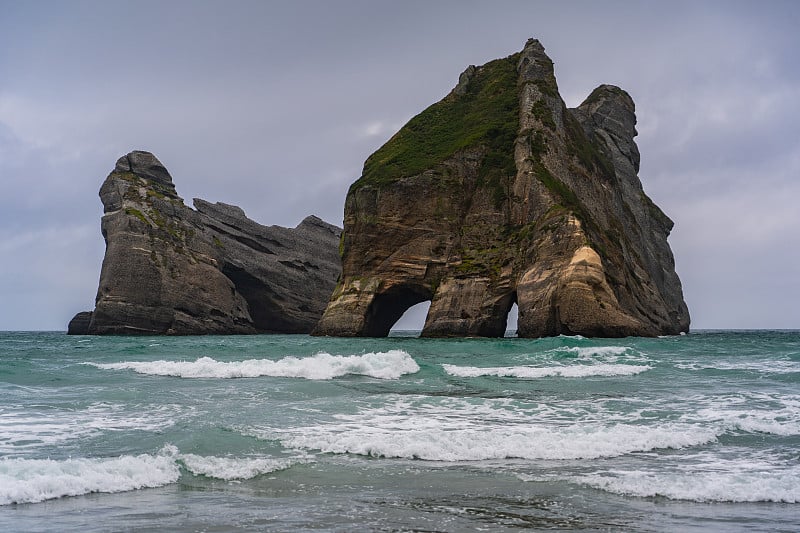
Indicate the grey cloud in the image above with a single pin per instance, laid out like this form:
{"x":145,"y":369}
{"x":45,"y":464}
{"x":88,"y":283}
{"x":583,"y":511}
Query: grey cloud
{"x":275,"y":106}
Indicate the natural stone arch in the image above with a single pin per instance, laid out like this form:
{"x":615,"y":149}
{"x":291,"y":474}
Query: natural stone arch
{"x":388,"y":306}
{"x":499,"y":192}
{"x":469,"y":307}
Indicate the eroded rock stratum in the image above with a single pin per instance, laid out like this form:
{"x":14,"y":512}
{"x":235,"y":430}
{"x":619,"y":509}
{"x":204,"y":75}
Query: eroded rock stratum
{"x":170,"y":269}
{"x":500,"y":194}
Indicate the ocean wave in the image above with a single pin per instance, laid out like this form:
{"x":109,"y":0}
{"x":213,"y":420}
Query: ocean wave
{"x":761,"y":422}
{"x":776,"y":414}
{"x":37,"y":480}
{"x":595,"y":351}
{"x":232,"y":468}
{"x":322,"y":366}
{"x":761,"y":486}
{"x":26,"y":429}
{"x":475,"y":444}
{"x":439,"y":429}
{"x":760,"y":367}
{"x":531,"y":372}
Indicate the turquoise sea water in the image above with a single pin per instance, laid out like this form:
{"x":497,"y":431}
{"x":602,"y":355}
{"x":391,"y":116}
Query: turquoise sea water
{"x":293,"y":433}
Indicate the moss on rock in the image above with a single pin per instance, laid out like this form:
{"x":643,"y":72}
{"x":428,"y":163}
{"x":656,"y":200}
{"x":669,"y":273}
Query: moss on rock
{"x":486,"y":115}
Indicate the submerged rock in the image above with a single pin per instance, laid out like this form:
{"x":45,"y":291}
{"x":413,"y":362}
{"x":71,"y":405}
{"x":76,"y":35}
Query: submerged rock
{"x":500,"y":194}
{"x":171,"y":269}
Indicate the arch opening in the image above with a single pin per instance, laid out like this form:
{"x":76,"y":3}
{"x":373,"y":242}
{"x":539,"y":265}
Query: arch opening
{"x":387,"y":308}
{"x":508,"y":314}
{"x":511,"y":321}
{"x":413,"y":319}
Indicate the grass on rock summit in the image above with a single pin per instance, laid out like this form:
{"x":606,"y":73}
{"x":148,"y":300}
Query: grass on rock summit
{"x":487,"y":115}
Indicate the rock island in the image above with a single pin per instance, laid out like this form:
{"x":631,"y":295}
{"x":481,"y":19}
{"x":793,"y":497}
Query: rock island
{"x":499,"y":194}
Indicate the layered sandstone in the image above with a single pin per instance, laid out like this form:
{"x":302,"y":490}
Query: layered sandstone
{"x":171,"y":269}
{"x":500,"y":194}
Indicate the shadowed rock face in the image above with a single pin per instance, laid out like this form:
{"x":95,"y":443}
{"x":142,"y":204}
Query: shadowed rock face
{"x":500,"y":194}
{"x":170,"y":269}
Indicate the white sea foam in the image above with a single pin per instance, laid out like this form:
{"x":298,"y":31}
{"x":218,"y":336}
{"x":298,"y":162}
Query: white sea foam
{"x":28,"y":428}
{"x":458,"y":430}
{"x":382,"y":365}
{"x":230,"y":468}
{"x":761,"y":367}
{"x":473,"y":444}
{"x":36,"y":480}
{"x":531,"y":372}
{"x":747,"y":486}
{"x":596,"y":351}
{"x":752,"y":421}
{"x":776,"y":414}
{"x":726,"y":474}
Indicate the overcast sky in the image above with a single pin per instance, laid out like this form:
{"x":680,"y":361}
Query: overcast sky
{"x":274,"y":106}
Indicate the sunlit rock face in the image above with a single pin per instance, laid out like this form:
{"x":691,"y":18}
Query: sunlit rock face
{"x":500,"y":194}
{"x":171,"y":269}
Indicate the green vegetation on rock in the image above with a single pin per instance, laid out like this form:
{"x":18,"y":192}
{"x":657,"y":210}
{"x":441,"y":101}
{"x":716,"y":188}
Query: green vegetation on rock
{"x":542,"y":112}
{"x":138,"y":214}
{"x":486,"y":116}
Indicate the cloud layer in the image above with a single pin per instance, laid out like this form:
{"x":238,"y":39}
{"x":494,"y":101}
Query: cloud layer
{"x":275,"y":106}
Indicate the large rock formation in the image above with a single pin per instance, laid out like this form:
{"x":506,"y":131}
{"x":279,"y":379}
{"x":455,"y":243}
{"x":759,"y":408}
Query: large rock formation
{"x":500,"y":194}
{"x":171,"y":269}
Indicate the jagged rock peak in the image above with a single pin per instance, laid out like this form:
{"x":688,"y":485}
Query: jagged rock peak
{"x":535,"y":65}
{"x":231,"y":214}
{"x":500,"y":194}
{"x":314,"y":222}
{"x":170,"y":269}
{"x":605,"y":92}
{"x":144,"y":164}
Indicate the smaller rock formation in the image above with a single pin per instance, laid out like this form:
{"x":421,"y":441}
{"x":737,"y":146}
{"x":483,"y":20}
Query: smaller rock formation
{"x":79,"y":325}
{"x":170,"y":269}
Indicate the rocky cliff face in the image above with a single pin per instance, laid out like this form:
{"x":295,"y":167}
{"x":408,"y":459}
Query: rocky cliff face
{"x":171,"y":269}
{"x":500,"y":194}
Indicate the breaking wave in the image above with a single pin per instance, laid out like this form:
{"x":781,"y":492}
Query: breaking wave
{"x":23,"y":431}
{"x":531,"y":372}
{"x":475,"y":444}
{"x":37,"y":480}
{"x":763,"y":486}
{"x":230,"y":468}
{"x":596,"y":351}
{"x":463,"y":430}
{"x":322,"y":366}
